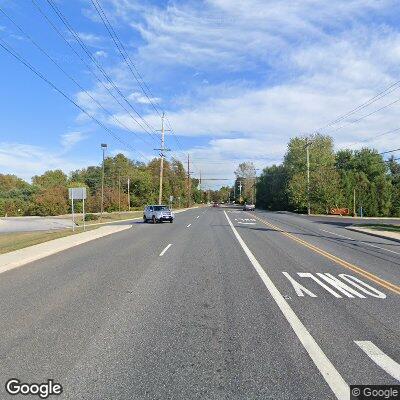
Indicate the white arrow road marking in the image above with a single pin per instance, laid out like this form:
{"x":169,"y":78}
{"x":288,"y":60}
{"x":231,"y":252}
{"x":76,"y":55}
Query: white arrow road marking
{"x":380,"y":358}
{"x":188,"y":225}
{"x":163,"y":252}
{"x":355,"y":240}
{"x":331,"y":375}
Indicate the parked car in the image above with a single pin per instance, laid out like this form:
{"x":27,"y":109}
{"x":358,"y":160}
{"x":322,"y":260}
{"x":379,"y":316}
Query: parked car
{"x":249,"y":207}
{"x":158,"y":213}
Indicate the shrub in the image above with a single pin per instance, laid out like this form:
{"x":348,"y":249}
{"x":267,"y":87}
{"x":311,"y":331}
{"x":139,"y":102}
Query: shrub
{"x":91,"y":217}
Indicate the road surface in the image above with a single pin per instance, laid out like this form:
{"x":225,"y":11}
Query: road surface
{"x":222,"y":304}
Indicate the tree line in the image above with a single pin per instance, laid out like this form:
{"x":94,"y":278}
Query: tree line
{"x":360,"y":180}
{"x":47,"y":194}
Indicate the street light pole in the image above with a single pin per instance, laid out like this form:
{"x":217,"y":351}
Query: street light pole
{"x":103,"y":147}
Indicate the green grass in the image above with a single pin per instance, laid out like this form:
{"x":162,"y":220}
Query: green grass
{"x":110,"y":217}
{"x":19,"y":240}
{"x":382,"y":227}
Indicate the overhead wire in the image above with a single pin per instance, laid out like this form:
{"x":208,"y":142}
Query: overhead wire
{"x":121,"y":48}
{"x":43,"y":51}
{"x":23,"y":61}
{"x":132,"y":67}
{"x":75,"y":35}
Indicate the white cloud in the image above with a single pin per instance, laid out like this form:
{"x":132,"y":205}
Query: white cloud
{"x":90,"y":39}
{"x":26,"y":160}
{"x":70,"y":139}
{"x":283,"y":69}
{"x":100,"y":53}
{"x":143,"y":99}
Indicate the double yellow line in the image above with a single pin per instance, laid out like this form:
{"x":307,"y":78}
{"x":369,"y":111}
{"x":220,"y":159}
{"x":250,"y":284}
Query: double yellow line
{"x":388,"y":285}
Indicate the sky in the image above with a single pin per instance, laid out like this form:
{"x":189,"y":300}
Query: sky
{"x":236,"y":79}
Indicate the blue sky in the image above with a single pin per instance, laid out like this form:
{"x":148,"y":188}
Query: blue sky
{"x":236,"y":79}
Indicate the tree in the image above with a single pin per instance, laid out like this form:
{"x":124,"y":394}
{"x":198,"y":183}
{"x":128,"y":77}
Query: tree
{"x":9,"y":182}
{"x":272,"y":188}
{"x":324,"y":179}
{"x":50,"y":179}
{"x":246,"y":178}
{"x":50,"y":201}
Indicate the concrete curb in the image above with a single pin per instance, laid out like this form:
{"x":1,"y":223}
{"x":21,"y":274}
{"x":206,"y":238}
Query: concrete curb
{"x":26,"y":255}
{"x":353,"y":218}
{"x":372,"y":233}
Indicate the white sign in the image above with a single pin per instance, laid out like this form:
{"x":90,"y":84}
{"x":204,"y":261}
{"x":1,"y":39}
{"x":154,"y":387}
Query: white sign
{"x":77,"y":193}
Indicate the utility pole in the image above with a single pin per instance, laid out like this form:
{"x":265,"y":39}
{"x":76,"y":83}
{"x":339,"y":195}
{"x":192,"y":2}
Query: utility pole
{"x":162,"y":149}
{"x":354,"y":202}
{"x":188,"y":181}
{"x":129,"y":196}
{"x":240,"y":191}
{"x":308,"y":177}
{"x":103,"y":147}
{"x":119,"y":193}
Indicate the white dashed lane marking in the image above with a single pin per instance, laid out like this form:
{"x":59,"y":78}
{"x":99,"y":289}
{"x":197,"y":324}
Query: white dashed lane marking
{"x":163,"y":252}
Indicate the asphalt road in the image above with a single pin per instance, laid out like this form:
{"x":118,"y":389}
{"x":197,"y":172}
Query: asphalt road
{"x":237,"y":307}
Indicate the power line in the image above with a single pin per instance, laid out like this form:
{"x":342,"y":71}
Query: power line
{"x":367,"y":115}
{"x":69,"y":76}
{"x":64,"y":20}
{"x":370,"y":101}
{"x":376,"y":136}
{"x":121,"y":48}
{"x":18,"y":57}
{"x":389,"y":151}
{"x":90,"y":68}
{"x":132,"y":67}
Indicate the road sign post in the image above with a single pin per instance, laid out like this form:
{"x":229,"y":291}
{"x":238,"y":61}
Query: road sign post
{"x":77,"y":194}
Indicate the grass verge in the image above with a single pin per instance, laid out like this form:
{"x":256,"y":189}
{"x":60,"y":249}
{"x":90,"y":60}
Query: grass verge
{"x":19,"y":240}
{"x":382,"y":227}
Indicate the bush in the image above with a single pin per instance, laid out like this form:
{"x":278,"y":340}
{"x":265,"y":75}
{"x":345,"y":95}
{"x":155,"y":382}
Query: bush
{"x":91,"y":217}
{"x":50,"y":202}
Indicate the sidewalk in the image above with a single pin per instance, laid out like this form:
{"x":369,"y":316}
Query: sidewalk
{"x":395,"y":236}
{"x":23,"y":256}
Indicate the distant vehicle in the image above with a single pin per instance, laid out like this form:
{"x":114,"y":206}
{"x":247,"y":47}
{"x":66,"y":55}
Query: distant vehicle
{"x":158,"y":213}
{"x":249,"y":207}
{"x":215,"y":204}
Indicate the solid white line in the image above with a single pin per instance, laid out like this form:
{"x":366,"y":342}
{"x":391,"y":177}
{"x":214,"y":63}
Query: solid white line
{"x":198,"y":217}
{"x":188,"y":225}
{"x":163,"y":252}
{"x":328,"y":371}
{"x":380,"y":358}
{"x":355,"y":240}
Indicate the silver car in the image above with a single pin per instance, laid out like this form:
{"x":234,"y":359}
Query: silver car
{"x":158,"y":213}
{"x":249,"y":207}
